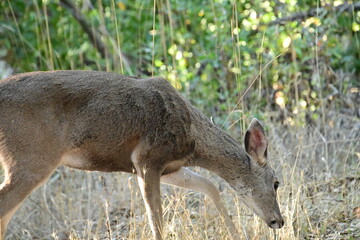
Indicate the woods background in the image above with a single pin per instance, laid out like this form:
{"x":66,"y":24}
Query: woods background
{"x":294,"y":64}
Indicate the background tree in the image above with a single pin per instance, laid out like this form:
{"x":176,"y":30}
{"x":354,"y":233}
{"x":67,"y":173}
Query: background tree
{"x":295,"y":64}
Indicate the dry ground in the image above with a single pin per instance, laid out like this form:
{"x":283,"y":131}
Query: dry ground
{"x":319,"y":169}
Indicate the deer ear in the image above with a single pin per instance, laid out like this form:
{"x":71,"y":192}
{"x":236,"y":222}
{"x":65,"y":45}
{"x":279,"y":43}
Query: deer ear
{"x":256,"y":142}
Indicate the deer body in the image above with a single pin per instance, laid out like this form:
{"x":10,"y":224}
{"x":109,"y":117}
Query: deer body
{"x":107,"y":122}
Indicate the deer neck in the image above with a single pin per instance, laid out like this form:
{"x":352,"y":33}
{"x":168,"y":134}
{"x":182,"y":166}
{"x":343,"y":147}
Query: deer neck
{"x":217,"y":151}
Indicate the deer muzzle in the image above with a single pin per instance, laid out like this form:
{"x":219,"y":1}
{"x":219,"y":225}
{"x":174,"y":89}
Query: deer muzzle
{"x":276,"y":223}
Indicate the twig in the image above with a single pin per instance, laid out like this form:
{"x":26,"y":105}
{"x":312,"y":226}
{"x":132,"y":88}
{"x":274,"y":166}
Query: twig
{"x":313,"y":11}
{"x":330,"y":141}
{"x":248,"y":88}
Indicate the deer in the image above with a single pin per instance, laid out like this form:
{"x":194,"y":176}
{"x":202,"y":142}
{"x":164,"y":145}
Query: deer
{"x":102,"y":121}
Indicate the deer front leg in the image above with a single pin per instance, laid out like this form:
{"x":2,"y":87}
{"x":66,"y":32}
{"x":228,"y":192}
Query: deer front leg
{"x":149,"y":182}
{"x":190,"y":180}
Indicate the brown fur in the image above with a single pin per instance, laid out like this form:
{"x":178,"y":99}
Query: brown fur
{"x":109,"y":122}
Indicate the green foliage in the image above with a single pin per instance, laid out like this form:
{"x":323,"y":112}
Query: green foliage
{"x":233,"y":62}
{"x":211,"y":50}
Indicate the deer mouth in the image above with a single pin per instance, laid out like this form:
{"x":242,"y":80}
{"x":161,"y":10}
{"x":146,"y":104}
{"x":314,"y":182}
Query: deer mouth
{"x":276,"y":224}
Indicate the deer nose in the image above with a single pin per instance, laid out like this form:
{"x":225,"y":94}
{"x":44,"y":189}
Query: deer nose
{"x":274,"y":224}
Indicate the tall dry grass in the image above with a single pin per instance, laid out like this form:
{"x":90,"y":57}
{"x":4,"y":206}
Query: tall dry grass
{"x":319,"y":192}
{"x":318,"y":195}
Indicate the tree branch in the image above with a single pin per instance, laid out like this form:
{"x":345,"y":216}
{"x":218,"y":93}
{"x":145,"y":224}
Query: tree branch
{"x":93,"y":35}
{"x":313,"y":12}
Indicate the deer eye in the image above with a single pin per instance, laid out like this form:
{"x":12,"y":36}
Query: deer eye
{"x":276,"y":185}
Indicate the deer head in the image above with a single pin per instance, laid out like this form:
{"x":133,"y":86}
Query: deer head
{"x":258,"y":185}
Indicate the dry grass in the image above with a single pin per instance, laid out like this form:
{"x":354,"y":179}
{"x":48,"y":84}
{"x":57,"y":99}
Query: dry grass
{"x":318,"y":166}
{"x":318,"y":196}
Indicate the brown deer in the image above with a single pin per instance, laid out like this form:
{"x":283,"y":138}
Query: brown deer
{"x":101,"y":121}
